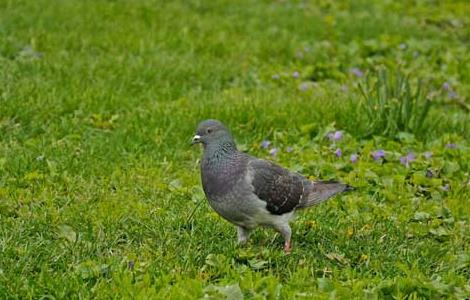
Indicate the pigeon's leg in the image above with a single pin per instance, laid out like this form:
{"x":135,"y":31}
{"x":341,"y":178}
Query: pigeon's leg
{"x":243,"y":234}
{"x":286,"y":233}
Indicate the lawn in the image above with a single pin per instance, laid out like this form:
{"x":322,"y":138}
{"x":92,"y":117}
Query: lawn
{"x":100,"y":194}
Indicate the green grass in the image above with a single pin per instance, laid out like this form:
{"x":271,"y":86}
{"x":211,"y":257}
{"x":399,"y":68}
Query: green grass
{"x":100,"y":194}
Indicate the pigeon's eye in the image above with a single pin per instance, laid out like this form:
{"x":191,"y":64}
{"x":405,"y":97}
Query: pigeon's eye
{"x":209,"y":130}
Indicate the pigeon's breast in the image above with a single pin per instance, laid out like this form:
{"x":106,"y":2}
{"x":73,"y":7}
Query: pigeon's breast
{"x":238,"y":205}
{"x":219,"y":176}
{"x":216,"y":185}
{"x":227,"y":191}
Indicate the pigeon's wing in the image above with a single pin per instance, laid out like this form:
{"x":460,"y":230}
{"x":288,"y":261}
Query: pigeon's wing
{"x":282,"y":190}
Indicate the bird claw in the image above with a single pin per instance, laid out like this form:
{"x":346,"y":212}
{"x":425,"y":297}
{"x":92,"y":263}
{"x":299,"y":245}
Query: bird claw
{"x":242,"y":243}
{"x":287,"y":248}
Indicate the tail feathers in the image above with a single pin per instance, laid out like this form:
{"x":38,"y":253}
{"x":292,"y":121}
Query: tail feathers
{"x":321,"y":191}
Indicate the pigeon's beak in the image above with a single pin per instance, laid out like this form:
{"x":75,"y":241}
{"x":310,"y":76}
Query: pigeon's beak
{"x":196,"y":139}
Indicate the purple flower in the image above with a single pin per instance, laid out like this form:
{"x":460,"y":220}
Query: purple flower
{"x":276,"y":77}
{"x":452,"y":95}
{"x":446,"y":187}
{"x":402,"y":46}
{"x":305,"y":86}
{"x":378,"y":154}
{"x":338,"y":152}
{"x":265,"y":144}
{"x":427,"y":154}
{"x":354,"y":157}
{"x":338,"y":135}
{"x":273,"y":151}
{"x":357,"y":72}
{"x":405,"y":160}
{"x":335,"y":136}
{"x":451,"y":146}
{"x":289,"y":149}
{"x":295,"y":74}
{"x":429,"y":173}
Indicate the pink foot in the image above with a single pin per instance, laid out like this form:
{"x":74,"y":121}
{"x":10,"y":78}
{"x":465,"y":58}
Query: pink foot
{"x":287,"y":248}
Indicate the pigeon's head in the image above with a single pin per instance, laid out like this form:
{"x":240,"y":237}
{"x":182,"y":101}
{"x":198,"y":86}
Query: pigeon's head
{"x":211,"y":132}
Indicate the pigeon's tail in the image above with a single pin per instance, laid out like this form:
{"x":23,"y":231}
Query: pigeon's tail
{"x":323,"y":190}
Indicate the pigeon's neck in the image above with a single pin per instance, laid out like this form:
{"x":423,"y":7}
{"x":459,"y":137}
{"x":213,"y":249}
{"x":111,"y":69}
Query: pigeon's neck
{"x":221,"y":165}
{"x":220,"y":151}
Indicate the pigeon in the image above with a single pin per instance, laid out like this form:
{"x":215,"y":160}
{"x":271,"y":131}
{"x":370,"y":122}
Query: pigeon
{"x":251,"y":192}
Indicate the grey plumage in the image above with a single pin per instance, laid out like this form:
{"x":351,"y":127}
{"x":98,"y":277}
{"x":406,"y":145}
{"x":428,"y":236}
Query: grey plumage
{"x":250,"y":192}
